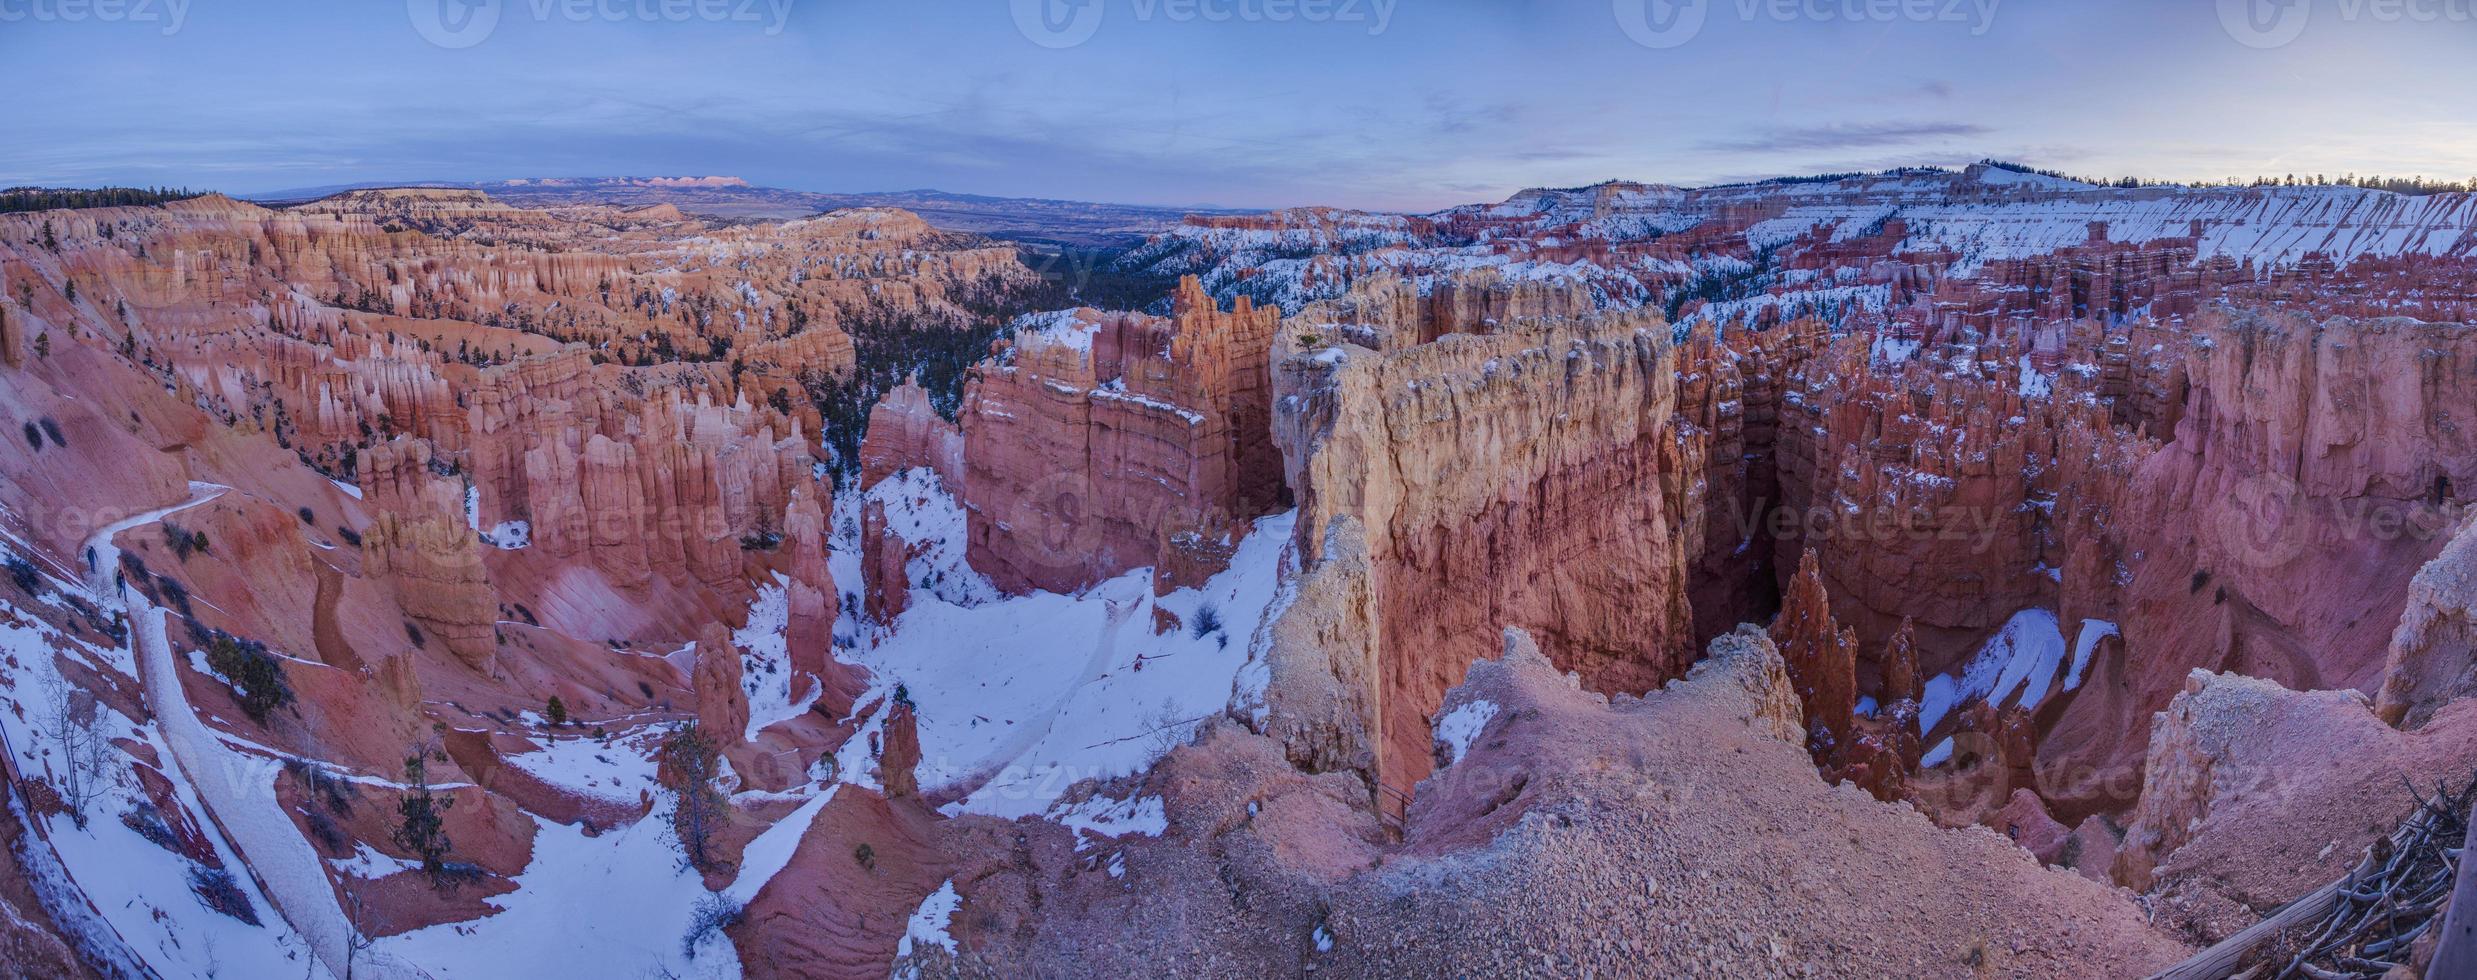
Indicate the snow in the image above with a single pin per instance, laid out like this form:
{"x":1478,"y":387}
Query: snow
{"x":1940,"y":754}
{"x":1461,"y":726}
{"x":237,"y":788}
{"x":2020,"y":659}
{"x":615,"y":905}
{"x":765,"y":663}
{"x":2034,"y":384}
{"x":2085,"y":643}
{"x":1020,"y":697}
{"x":473,"y":507}
{"x":929,"y":921}
{"x":1102,"y":817}
{"x":766,"y":856}
{"x":1057,"y":328}
{"x":349,"y":489}
{"x":1936,"y":697}
{"x":1889,"y":349}
{"x":510,"y":535}
{"x":1983,"y":214}
{"x":617,"y":770}
{"x":2030,"y":648}
{"x":139,"y":892}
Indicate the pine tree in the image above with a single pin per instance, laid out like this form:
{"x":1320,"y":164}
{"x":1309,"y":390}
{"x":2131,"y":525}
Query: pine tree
{"x":423,"y":829}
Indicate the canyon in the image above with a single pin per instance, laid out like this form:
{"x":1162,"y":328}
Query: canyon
{"x":1936,"y":572}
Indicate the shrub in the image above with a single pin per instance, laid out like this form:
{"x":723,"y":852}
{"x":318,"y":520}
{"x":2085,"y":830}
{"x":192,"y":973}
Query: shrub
{"x":216,"y":888}
{"x":34,"y":436}
{"x":349,"y":535}
{"x":1207,"y":622}
{"x":52,"y":429}
{"x":318,"y":785}
{"x":713,"y":914}
{"x":184,"y":541}
{"x":257,"y":678}
{"x":323,"y":827}
{"x":175,"y":595}
{"x":22,"y":572}
{"x":413,"y":633}
{"x":148,"y":823}
{"x":865,"y":856}
{"x":308,"y":516}
{"x":556,"y":711}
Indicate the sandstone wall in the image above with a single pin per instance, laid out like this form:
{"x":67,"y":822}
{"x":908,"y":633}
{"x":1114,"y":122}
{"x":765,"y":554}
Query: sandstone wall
{"x":1097,"y":440}
{"x":1527,"y":478}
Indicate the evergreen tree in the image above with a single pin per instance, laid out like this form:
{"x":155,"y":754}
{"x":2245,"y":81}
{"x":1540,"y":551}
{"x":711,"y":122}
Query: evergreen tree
{"x":423,"y":827}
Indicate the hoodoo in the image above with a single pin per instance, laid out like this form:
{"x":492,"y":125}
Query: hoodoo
{"x":1955,"y":570}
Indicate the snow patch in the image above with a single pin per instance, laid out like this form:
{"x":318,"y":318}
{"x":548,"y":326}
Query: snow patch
{"x":1102,"y":817}
{"x":929,"y":921}
{"x":1461,"y":726}
{"x":2085,"y":643}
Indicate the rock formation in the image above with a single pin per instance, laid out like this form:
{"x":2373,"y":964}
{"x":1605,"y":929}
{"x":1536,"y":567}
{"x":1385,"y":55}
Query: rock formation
{"x":2307,"y":453}
{"x":2234,"y":761}
{"x":1095,"y":440}
{"x":905,"y":431}
{"x":884,"y":557}
{"x":722,"y":704}
{"x":1491,"y":480}
{"x":2433,"y":656}
{"x":1821,"y":658}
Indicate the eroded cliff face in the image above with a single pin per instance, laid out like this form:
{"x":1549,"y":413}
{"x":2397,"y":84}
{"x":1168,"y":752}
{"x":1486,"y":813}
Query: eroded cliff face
{"x":1100,"y":442}
{"x":440,"y":463}
{"x":2308,"y":453}
{"x":2434,"y":649}
{"x":1529,"y":477}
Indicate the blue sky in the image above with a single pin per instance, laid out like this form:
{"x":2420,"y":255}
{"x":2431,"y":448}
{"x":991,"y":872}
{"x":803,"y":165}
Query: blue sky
{"x":1370,"y":103}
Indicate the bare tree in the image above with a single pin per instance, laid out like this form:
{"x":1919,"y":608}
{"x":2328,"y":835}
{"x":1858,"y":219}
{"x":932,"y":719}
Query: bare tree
{"x":84,"y":770}
{"x":356,"y":938}
{"x":1164,"y":731}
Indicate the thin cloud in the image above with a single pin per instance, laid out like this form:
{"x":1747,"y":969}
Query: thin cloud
{"x":1843,"y":137}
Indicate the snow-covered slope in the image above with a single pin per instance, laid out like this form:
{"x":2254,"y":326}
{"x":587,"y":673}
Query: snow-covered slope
{"x":1017,"y":698}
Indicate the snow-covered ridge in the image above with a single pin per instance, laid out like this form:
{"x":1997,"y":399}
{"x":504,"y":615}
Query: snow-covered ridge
{"x":1594,"y":235}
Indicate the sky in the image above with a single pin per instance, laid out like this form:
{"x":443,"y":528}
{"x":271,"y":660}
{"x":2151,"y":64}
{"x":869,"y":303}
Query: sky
{"x":1392,"y":104}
